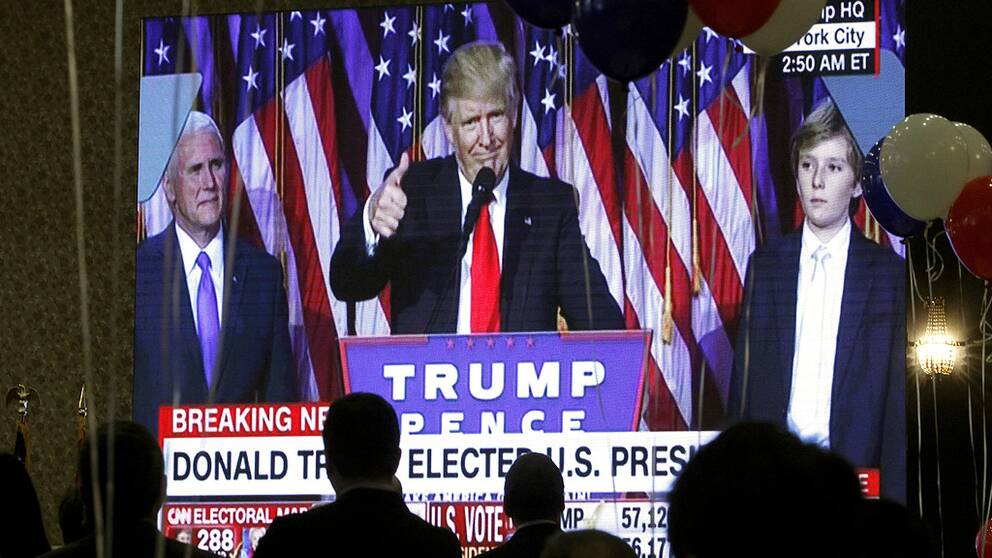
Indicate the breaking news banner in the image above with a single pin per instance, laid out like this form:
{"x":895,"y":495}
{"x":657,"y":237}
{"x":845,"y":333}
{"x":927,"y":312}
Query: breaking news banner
{"x":845,"y":41}
{"x":277,"y":451}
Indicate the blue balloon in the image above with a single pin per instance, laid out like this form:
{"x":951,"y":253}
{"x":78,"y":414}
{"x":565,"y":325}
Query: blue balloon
{"x":877,"y":197}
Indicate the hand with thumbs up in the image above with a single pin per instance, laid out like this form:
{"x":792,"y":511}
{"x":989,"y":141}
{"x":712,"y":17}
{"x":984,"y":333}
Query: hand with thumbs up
{"x":388,"y":203}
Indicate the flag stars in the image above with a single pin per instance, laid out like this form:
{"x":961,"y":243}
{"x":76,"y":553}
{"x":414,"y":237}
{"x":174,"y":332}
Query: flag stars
{"x":251,"y":78}
{"x":387,"y":25}
{"x":414,"y":34}
{"x":704,"y":74}
{"x":434,"y":86}
{"x":551,"y":58}
{"x":685,"y":62}
{"x":449,"y":7}
{"x":537,"y":53}
{"x":405,"y":120}
{"x":442,"y":42}
{"x":293,"y":16}
{"x":287,"y":49}
{"x":383,"y":68}
{"x":318,"y":25}
{"x":467,"y":14}
{"x":259,"y":36}
{"x":682,"y":107}
{"x":163,"y":52}
{"x":410,"y":76}
{"x":899,"y":37}
{"x":548,"y":101}
{"x":710,"y":34}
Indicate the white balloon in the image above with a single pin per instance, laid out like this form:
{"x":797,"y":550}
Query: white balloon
{"x":979,"y":151}
{"x":924,"y":163}
{"x":790,"y":21}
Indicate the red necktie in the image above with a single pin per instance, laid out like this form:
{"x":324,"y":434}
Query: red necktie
{"x":485,"y":276}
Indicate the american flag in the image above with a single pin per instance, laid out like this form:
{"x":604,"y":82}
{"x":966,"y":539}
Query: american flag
{"x":677,"y":181}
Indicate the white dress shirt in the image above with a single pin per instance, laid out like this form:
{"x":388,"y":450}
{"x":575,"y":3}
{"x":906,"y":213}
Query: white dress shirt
{"x":819,"y":292}
{"x":190,"y":251}
{"x":497,"y":216}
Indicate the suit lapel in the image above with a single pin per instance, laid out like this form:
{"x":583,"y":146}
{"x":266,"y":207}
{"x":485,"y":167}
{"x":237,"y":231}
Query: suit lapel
{"x":857,"y":290}
{"x":233,"y":287}
{"x":516,"y":229}
{"x":443,"y":211}
{"x":786,"y":282}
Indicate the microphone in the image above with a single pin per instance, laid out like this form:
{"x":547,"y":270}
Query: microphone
{"x":482,"y":190}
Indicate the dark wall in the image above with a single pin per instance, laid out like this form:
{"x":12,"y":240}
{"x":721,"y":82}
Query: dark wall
{"x":948,"y":69}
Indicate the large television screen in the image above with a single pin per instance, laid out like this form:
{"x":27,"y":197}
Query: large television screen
{"x":655,"y":260}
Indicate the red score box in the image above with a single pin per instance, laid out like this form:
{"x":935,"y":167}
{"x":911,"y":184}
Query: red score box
{"x":478,"y":525}
{"x":870,"y":481}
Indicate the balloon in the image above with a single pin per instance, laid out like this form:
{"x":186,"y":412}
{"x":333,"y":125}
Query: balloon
{"x":693,"y":26}
{"x":628,"y":39}
{"x":924,"y":165}
{"x":969,"y":226}
{"x":979,"y":151}
{"x":788,"y":24}
{"x":877,"y":197}
{"x":549,"y":14}
{"x":983,"y":541}
{"x":736,"y":18}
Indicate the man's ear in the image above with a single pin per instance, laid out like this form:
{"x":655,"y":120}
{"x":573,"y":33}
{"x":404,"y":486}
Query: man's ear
{"x":858,"y":191}
{"x":167,"y":187}
{"x":448,"y":130}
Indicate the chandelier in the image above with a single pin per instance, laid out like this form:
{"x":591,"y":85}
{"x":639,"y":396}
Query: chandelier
{"x":936,"y":351}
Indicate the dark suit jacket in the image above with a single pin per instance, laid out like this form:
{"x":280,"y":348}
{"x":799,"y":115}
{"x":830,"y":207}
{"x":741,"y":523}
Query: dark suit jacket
{"x":362,"y":522}
{"x":867,"y":413}
{"x":546,"y":263}
{"x":528,"y":542}
{"x":255,"y":356}
{"x":139,"y":539}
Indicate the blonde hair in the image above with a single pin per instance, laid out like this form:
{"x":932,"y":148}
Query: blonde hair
{"x":480,"y":70}
{"x":824,"y":123}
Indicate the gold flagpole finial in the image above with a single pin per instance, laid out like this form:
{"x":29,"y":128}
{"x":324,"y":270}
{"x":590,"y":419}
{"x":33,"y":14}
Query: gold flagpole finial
{"x":23,"y":396}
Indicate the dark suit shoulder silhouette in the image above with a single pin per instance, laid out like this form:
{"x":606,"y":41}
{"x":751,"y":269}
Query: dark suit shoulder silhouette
{"x":362,"y":522}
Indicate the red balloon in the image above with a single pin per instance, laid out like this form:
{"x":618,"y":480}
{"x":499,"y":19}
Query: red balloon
{"x":969,"y":226}
{"x":737,"y":18}
{"x":984,"y":539}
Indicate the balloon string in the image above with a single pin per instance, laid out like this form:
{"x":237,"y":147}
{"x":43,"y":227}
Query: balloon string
{"x":985,"y":453}
{"x":971,"y":416}
{"x":936,"y":438}
{"x":916,"y":376}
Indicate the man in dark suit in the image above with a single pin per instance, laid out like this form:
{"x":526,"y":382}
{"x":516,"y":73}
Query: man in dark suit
{"x":128,"y":459}
{"x":821,"y":347}
{"x":534,"y":498}
{"x":368,"y":516}
{"x":525,"y":257}
{"x":208,"y":328}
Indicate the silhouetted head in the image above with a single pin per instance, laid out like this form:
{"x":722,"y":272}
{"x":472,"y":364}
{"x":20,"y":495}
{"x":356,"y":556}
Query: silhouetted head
{"x":125,"y":455}
{"x":361,"y":440}
{"x":534,"y":489}
{"x":588,"y":543}
{"x":21,"y":530}
{"x":758,"y":486}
